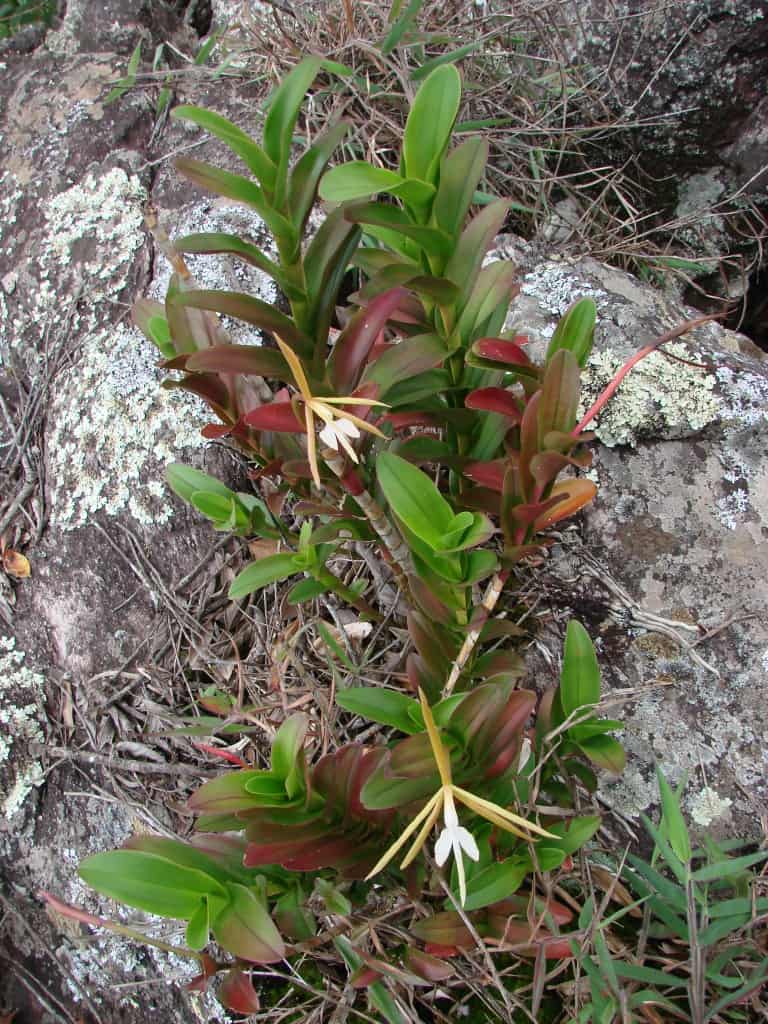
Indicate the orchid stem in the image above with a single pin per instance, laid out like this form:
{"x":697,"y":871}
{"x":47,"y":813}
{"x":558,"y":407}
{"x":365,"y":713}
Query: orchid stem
{"x":492,"y":595}
{"x":401,"y":561}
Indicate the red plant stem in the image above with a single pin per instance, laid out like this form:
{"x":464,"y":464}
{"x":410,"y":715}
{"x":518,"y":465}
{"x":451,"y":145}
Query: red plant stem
{"x":226,"y":755}
{"x":610,"y":390}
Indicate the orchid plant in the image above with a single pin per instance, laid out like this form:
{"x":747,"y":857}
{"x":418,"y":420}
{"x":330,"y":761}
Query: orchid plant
{"x":411,"y":420}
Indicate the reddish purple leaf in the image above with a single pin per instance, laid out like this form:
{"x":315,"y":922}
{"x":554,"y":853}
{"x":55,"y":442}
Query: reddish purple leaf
{"x":353,"y":347}
{"x":214,"y":431}
{"x":575,"y":494}
{"x":495,"y":400}
{"x":404,"y":420}
{"x":364,"y":976}
{"x":238,"y":994}
{"x":256,"y":360}
{"x":445,"y":929}
{"x":426,"y":966}
{"x":487,"y":474}
{"x":501,"y":351}
{"x":207,"y":387}
{"x":245,"y":929}
{"x":275,"y":416}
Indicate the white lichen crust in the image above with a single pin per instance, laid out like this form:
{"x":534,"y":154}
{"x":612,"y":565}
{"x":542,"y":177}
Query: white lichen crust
{"x":110,"y":456}
{"x":21,"y":695}
{"x":707,"y":806}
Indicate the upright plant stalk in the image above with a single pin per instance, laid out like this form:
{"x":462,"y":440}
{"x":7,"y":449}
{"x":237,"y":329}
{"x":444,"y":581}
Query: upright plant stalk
{"x":401,"y":561}
{"x":489,"y":602}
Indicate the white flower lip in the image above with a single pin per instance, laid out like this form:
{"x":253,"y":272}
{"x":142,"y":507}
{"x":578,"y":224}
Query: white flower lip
{"x":454,"y":837}
{"x":338,"y":431}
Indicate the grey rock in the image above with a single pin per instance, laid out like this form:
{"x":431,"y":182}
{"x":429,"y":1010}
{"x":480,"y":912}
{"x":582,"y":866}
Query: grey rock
{"x":670,"y":568}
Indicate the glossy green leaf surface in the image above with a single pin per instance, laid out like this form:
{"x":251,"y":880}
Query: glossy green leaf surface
{"x":580,"y":676}
{"x":259,"y":574}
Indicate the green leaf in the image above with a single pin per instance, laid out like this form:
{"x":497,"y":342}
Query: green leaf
{"x":678,"y":868}
{"x":467,"y":530}
{"x":727,"y":868}
{"x":593,"y":727}
{"x":224,"y":183}
{"x":560,"y":389}
{"x":378,"y":994}
{"x":246,"y":307}
{"x":359,"y":180}
{"x":378,"y":705}
{"x":406,"y":360}
{"x":478,"y":565}
{"x":432,"y":240}
{"x":410,"y":392}
{"x":287,"y":750}
{"x":414,"y":498}
{"x":242,"y":190}
{"x":199,"y":927}
{"x":494,"y":883}
{"x":127,"y":81}
{"x":214,"y":242}
{"x":281,"y":119}
{"x":673,"y":821}
{"x":430,"y":122}
{"x":440,"y":290}
{"x":575,"y":332}
{"x":400,"y":26}
{"x":460,"y":174}
{"x":149,"y":882}
{"x":186,"y":481}
{"x":325,"y":264}
{"x":580,"y":675}
{"x":252,"y":155}
{"x":302,"y":188}
{"x":334,"y":647}
{"x":571,"y":835}
{"x":335,"y":901}
{"x":259,"y":574}
{"x":477,"y":237}
{"x":160,"y":334}
{"x":245,"y":929}
{"x":218,"y":509}
{"x":445,"y":58}
{"x":306,"y":590}
{"x":649,"y":975}
{"x":605,"y":752}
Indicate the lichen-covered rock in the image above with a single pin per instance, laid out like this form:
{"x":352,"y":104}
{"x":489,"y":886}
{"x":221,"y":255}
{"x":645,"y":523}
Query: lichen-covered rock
{"x":75,"y":175}
{"x":680,"y":526}
{"x":21,"y":706}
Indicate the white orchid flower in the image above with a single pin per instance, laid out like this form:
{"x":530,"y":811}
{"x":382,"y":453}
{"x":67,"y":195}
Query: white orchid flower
{"x":337,"y":432}
{"x":453,"y":836}
{"x":456,"y":838}
{"x":338,"y":429}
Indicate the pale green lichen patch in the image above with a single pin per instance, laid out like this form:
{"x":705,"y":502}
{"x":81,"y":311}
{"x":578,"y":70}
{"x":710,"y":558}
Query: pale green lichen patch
{"x":660,"y":396}
{"x":105,"y":211}
{"x":707,"y":806}
{"x":555,"y":288}
{"x":21,"y":695}
{"x":108,"y":446}
{"x":111,"y":429}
